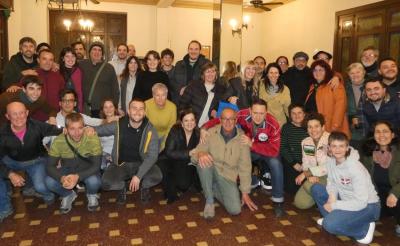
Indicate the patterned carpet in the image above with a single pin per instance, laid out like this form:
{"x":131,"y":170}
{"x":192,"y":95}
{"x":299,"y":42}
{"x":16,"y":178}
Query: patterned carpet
{"x":157,"y":223}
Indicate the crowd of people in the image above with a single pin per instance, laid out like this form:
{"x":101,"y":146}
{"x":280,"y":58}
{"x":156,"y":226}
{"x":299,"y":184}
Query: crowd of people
{"x":129,"y":124}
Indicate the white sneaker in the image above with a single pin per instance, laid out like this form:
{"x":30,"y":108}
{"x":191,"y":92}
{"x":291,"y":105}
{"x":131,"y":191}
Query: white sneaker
{"x":319,"y":221}
{"x":370,"y":234}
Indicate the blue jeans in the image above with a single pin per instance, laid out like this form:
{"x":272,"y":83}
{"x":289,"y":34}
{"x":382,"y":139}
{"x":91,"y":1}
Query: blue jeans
{"x":92,"y":184}
{"x":353,"y":224}
{"x":274,"y":164}
{"x":5,"y":201}
{"x":36,"y":171}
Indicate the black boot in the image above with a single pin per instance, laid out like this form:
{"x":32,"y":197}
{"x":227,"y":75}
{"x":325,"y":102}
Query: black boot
{"x":121,"y":198}
{"x":278,"y":209}
{"x":145,"y":196}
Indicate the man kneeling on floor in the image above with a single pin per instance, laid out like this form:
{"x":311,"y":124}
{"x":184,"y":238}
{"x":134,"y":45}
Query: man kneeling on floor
{"x":73,"y":158}
{"x":220,"y":160}
{"x":134,"y":153}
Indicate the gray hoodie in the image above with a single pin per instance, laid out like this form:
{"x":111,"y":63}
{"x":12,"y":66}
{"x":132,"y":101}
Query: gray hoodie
{"x":351,"y":183}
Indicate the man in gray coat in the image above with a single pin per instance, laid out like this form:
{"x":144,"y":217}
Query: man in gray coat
{"x":134,"y":153}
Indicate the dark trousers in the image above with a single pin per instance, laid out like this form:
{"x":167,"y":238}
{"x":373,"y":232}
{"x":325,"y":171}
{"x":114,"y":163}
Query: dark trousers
{"x":178,"y":176}
{"x":115,"y":177}
{"x":290,"y":174}
{"x":383,"y":193}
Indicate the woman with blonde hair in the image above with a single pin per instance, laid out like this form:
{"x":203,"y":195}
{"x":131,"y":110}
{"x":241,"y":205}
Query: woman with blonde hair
{"x":243,"y":89}
{"x":354,"y":87}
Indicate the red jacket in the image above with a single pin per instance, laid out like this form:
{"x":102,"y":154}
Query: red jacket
{"x":267,"y":139}
{"x":53,"y":83}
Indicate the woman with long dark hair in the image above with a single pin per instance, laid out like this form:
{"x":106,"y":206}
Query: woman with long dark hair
{"x":151,"y":75}
{"x":72,"y":74}
{"x":272,"y":90}
{"x":381,"y":156}
{"x":322,"y":98}
{"x":182,"y":139}
{"x":128,"y":81}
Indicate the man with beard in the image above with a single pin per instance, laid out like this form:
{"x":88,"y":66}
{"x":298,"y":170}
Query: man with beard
{"x":187,"y":69}
{"x":99,"y":80}
{"x":134,"y":153}
{"x":389,"y":71}
{"x":120,"y":63}
{"x":21,"y":64}
{"x":79,"y":49}
{"x":379,"y":105}
{"x":298,"y":78}
{"x":369,"y":59}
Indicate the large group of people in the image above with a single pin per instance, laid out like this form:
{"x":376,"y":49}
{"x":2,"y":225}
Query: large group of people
{"x":130,"y":124}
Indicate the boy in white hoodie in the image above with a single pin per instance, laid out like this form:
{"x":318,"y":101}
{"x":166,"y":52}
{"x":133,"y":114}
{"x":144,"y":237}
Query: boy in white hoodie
{"x":349,"y":203}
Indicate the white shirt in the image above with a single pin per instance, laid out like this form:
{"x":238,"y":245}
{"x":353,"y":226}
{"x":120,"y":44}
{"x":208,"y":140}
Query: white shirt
{"x":204,"y":115}
{"x":119,"y":66}
{"x":129,"y":90}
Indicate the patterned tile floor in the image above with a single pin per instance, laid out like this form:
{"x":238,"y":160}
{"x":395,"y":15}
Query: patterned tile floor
{"x":157,"y":223}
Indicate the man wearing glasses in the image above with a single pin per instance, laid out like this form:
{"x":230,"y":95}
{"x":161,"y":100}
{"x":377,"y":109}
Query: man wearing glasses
{"x":221,"y":159}
{"x":369,"y":59}
{"x":263,"y":136}
{"x":67,"y":106}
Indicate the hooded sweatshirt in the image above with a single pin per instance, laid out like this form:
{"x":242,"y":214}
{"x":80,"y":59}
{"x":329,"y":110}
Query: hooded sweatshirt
{"x":350,"y":183}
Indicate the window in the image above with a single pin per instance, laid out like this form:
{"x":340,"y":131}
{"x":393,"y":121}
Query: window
{"x":375,"y":25}
{"x":109,"y":28}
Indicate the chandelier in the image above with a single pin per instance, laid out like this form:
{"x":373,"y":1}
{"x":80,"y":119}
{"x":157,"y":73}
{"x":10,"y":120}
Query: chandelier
{"x":75,"y":4}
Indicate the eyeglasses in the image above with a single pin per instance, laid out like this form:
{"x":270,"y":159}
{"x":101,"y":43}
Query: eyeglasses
{"x":228,"y":119}
{"x":67,"y":101}
{"x":281,"y":63}
{"x":369,"y":55}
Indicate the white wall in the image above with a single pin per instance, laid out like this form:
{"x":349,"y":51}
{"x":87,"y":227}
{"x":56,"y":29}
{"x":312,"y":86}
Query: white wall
{"x":148,"y":27}
{"x":176,"y":27}
{"x":307,"y":25}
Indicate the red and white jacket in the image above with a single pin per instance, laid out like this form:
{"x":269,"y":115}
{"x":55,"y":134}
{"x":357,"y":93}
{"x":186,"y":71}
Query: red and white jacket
{"x":267,"y":139}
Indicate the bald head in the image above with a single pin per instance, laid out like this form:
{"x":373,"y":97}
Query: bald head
{"x":17,"y":114}
{"x":228,"y":120}
{"x":15,"y":106}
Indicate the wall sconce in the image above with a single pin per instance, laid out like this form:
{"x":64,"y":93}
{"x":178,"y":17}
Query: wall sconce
{"x":234,"y":25}
{"x":67,"y":23}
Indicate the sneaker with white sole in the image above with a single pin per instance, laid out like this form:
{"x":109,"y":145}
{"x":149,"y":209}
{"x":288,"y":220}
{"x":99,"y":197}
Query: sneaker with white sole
{"x":370,"y":234}
{"x":66,"y":202}
{"x":93,"y":202}
{"x":255,"y":182}
{"x":397,"y":230}
{"x":320,"y":221}
{"x":266,"y":182}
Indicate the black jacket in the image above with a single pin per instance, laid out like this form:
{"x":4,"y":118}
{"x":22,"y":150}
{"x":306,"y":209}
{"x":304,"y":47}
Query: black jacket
{"x":12,"y":70}
{"x":176,"y":148}
{"x":195,"y":97}
{"x":236,"y":89}
{"x":31,"y":147}
{"x":181,"y":78}
{"x":298,"y":82}
{"x":145,"y":81}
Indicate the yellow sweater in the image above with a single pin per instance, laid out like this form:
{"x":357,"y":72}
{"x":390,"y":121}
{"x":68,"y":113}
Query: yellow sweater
{"x":277,"y":104}
{"x":161,"y":118}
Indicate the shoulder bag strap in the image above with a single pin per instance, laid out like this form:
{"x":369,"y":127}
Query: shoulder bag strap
{"x":75,"y":151}
{"x":95,"y":82}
